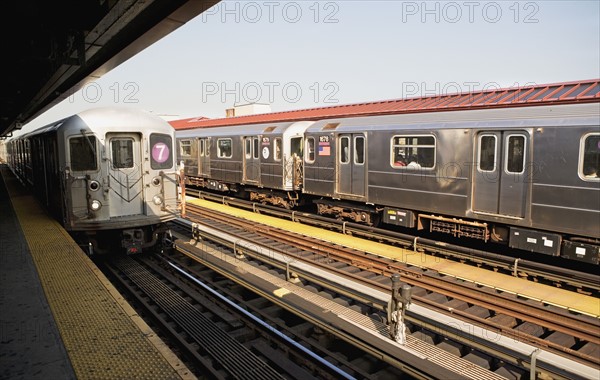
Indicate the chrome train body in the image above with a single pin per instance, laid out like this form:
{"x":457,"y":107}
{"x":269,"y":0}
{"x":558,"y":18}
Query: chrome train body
{"x":106,"y":174}
{"x":524,"y":176}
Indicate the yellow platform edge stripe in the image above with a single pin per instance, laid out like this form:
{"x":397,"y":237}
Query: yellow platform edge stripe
{"x":80,"y":345}
{"x":565,"y":299}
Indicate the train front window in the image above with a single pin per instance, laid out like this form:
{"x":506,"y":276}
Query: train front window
{"x":277,"y":149}
{"x":83,"y":153}
{"x":589,"y":161}
{"x":515,"y":154}
{"x":310,"y":150}
{"x":122,"y":153}
{"x":296,"y":146}
{"x":161,"y":151}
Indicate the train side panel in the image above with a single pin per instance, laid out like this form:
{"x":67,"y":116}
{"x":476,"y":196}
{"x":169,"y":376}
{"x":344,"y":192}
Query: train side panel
{"x":438,"y":182}
{"x":566,"y":186}
{"x":226,"y":159}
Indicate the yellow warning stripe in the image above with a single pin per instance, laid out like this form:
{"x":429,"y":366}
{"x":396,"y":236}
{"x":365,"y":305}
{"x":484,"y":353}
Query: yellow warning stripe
{"x":103,"y":336}
{"x":548,"y":294}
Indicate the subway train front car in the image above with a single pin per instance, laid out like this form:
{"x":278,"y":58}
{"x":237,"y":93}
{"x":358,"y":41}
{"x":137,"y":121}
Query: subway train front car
{"x":107,"y":174}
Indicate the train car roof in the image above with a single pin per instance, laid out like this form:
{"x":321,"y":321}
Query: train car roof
{"x":250,"y":130}
{"x":105,"y":118}
{"x":585,"y":91}
{"x":485,"y":118}
{"x":123,"y":117}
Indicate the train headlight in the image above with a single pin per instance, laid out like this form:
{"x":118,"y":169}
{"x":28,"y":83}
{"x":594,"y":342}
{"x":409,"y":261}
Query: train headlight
{"x":157,"y":199}
{"x":94,"y":185}
{"x":95,"y":205}
{"x":156,"y":181}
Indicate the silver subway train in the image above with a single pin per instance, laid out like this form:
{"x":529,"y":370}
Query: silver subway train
{"x":524,"y":176}
{"x":106,"y":174}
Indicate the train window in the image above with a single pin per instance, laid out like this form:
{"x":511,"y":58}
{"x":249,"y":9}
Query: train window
{"x":344,"y":150}
{"x":359,"y":150}
{"x":413,"y":152}
{"x":201,"y":147}
{"x":589,"y":157}
{"x":83,"y":153}
{"x":161,"y":155}
{"x":296,"y":146}
{"x":310,"y":149}
{"x":255,"y":141}
{"x":224,"y":148}
{"x":515,"y":154}
{"x":122,"y":153}
{"x":185,"y":148}
{"x":487,"y":153}
{"x":277,"y":149}
{"x":248,"y":147}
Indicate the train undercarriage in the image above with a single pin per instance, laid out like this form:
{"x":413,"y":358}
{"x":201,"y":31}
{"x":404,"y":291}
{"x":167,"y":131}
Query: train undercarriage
{"x":130,"y":241}
{"x":526,"y":239}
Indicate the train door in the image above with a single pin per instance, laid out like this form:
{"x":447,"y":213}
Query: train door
{"x":251,"y":159}
{"x":293,"y":169}
{"x":125,"y":174}
{"x":499,"y":185}
{"x":203,"y":156}
{"x":351,"y":166}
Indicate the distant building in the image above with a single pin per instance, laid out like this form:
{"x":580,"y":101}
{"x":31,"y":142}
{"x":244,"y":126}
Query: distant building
{"x":248,"y":109}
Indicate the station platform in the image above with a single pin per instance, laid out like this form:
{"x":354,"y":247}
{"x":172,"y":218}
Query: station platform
{"x":576,"y":302}
{"x":60,"y":317}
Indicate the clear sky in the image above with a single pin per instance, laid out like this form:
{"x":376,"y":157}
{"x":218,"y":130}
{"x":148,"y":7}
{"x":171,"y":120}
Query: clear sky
{"x":305,"y":54}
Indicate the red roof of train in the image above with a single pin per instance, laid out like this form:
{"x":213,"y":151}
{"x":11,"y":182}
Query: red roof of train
{"x":558,"y":93}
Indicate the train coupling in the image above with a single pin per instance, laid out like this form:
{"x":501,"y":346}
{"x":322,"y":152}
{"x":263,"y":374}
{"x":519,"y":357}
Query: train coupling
{"x":132,"y":240}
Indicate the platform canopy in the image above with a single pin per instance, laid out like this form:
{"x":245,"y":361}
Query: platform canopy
{"x":52,"y":48}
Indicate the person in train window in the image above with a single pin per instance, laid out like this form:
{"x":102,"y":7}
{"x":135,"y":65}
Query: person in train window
{"x":399,"y":159}
{"x":590,"y":172}
{"x":413,"y":163}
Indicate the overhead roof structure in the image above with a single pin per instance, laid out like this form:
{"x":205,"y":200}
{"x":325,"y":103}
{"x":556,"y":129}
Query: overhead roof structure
{"x":53,"y":48}
{"x":558,"y":93}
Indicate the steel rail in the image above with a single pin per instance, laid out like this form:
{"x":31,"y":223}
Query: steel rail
{"x":505,"y":349}
{"x":344,"y":334}
{"x":447,"y":286}
{"x":584,"y":282}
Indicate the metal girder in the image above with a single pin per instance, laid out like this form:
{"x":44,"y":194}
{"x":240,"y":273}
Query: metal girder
{"x":52,"y":49}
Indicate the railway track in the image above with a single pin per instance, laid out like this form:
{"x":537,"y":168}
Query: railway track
{"x":223,"y":331}
{"x":550,"y":328}
{"x":564,"y":278}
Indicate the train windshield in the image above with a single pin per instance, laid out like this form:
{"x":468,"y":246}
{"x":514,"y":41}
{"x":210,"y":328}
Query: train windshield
{"x":161,"y":152}
{"x":122,"y":153}
{"x":83,"y":153}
